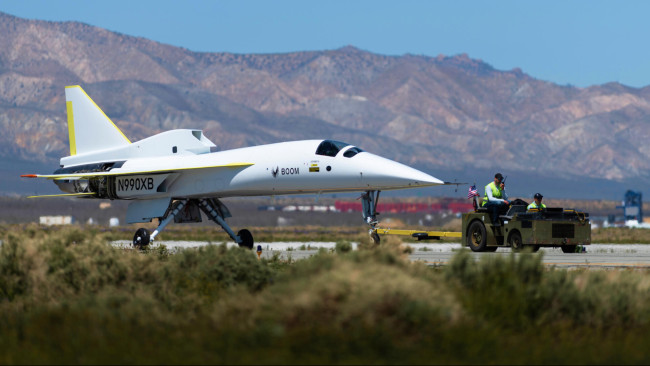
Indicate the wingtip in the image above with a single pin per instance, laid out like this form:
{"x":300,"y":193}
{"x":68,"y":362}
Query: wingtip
{"x":29,"y":176}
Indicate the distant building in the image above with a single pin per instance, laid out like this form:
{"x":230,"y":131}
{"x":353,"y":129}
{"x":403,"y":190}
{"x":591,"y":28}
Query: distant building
{"x":56,"y":220}
{"x":453,"y":206}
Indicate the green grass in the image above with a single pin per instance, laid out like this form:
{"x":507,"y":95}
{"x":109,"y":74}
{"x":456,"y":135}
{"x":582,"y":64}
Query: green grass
{"x":66,"y":296}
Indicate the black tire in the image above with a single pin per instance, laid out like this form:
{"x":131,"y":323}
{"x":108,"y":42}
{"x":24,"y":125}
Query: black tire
{"x":515,"y":241}
{"x":141,"y":238}
{"x":246,"y":239}
{"x":375,"y":237}
{"x":491,"y":249}
{"x":477,"y":236}
{"x":568,"y":248}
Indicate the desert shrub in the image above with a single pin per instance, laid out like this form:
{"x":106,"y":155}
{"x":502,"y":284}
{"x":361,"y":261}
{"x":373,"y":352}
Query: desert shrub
{"x":518,"y":292}
{"x":208,"y":269}
{"x":15,"y":267}
{"x":67,"y":296}
{"x":365,"y":304}
{"x":343,"y":246}
{"x":505,"y":290}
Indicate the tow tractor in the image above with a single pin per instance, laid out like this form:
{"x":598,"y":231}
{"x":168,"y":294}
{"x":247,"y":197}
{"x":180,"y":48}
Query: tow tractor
{"x":519,"y":228}
{"x":516,"y":227}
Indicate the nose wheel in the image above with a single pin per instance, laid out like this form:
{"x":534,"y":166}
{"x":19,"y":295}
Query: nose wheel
{"x":374,"y":236}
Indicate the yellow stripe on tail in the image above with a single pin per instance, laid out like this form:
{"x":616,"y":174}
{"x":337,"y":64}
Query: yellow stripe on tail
{"x":73,"y":144}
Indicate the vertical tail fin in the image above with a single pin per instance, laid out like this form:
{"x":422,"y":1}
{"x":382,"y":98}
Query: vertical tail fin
{"x":89,"y":128}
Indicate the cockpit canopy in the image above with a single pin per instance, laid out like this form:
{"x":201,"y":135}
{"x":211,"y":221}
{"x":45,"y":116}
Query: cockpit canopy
{"x":332,"y":148}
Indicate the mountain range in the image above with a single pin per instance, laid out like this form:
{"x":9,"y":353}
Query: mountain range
{"x":452,"y":116}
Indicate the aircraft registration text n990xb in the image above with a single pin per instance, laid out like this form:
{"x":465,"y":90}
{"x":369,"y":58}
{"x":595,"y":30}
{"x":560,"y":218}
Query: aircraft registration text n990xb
{"x":138,"y":185}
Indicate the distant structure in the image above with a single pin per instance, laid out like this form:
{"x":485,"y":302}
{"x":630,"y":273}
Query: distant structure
{"x":446,"y":206}
{"x":302,"y":208}
{"x":633,"y":206}
{"x":452,"y":206}
{"x":56,"y":220}
{"x":113,"y":221}
{"x":632,"y":212}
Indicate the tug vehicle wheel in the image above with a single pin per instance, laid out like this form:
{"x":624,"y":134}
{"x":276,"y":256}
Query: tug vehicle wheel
{"x":515,"y":241}
{"x":477,"y":237}
{"x":568,"y":248}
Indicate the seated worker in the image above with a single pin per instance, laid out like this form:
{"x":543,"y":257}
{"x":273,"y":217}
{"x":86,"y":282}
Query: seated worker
{"x":537,"y":205}
{"x":495,"y":198}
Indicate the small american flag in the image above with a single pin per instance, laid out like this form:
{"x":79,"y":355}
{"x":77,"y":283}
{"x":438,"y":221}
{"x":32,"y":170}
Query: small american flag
{"x":472,"y":192}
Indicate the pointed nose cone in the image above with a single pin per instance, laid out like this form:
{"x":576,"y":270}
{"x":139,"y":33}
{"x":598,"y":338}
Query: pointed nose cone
{"x":382,"y":173}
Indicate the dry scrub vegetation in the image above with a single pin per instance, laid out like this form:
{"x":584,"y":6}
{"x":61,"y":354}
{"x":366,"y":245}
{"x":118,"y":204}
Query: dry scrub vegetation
{"x":67,"y":296}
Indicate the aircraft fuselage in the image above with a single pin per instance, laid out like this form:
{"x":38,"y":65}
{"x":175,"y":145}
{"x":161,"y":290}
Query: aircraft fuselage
{"x":276,"y":169}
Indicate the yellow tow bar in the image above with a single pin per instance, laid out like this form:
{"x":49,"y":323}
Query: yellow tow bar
{"x":419,"y":234}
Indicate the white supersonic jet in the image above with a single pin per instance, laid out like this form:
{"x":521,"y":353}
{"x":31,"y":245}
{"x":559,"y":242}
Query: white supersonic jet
{"x":176,"y":174}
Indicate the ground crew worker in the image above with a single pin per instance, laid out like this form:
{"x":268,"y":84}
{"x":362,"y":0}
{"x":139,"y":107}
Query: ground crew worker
{"x":537,"y":205}
{"x":495,"y":197}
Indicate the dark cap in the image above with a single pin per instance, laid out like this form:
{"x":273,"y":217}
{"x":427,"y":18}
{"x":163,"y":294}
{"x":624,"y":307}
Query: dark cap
{"x":538,"y":195}
{"x":499,"y":177}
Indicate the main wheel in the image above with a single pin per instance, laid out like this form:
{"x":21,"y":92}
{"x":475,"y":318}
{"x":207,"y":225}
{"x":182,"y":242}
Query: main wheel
{"x":246,"y":239}
{"x":568,"y":248}
{"x":515,"y":241}
{"x":141,"y":238}
{"x":476,"y":237}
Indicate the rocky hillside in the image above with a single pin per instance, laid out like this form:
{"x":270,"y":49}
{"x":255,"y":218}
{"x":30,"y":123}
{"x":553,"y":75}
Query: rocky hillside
{"x":442,"y":113}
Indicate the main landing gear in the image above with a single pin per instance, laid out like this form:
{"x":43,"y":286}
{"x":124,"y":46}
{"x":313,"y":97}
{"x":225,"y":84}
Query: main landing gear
{"x":187,"y":210}
{"x":369,"y":201}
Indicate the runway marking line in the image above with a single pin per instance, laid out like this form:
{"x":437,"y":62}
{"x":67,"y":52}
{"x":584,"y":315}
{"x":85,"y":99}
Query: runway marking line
{"x":601,"y":264}
{"x":597,"y":264}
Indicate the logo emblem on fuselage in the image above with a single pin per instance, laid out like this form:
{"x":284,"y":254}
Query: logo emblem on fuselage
{"x":284,"y":171}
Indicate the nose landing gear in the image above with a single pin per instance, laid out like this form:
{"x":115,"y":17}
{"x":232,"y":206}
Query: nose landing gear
{"x":369,"y":201}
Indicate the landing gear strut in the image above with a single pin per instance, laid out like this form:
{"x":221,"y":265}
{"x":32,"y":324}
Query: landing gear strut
{"x":142,"y":237}
{"x":369,"y":201}
{"x":187,"y":210}
{"x":218,"y":212}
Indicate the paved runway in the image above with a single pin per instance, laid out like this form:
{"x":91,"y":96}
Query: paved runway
{"x":596,"y":255}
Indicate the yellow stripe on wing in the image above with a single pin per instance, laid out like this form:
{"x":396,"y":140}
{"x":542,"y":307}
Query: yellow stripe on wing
{"x":103,"y":174}
{"x":63,"y":195}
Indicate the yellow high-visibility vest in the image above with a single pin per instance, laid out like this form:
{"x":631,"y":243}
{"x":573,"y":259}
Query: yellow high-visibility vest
{"x":533,"y":206}
{"x":496,"y":192}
